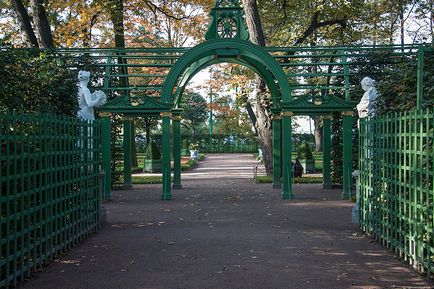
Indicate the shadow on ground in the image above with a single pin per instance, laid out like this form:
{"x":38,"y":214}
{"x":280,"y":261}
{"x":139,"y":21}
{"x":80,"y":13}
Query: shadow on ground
{"x":228,"y":232}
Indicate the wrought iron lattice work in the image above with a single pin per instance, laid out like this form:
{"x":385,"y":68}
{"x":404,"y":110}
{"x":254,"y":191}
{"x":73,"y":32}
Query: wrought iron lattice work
{"x":227,"y":25}
{"x":397,"y":184}
{"x":49,"y":189}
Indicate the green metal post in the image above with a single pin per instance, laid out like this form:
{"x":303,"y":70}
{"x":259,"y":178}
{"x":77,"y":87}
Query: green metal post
{"x":176,"y":122}
{"x":346,"y":74}
{"x":167,"y":190}
{"x":286,"y":156}
{"x":420,"y":72}
{"x":127,"y":153}
{"x":326,"y":183}
{"x":277,"y":154}
{"x":210,"y":117}
{"x":347,"y":154}
{"x":106,"y":156}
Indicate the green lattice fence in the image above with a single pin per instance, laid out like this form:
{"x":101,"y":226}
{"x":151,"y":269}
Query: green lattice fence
{"x":397,"y":184}
{"x":49,"y":189}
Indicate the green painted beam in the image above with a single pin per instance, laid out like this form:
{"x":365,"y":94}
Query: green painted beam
{"x":127,"y":153}
{"x":166,"y":148}
{"x":176,"y":125}
{"x":277,"y":154}
{"x":287,"y":193}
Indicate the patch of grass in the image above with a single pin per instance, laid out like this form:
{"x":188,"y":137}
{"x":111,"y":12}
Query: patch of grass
{"x":188,"y":165}
{"x":146,"y":180}
{"x":192,"y":163}
{"x":307,"y":180}
{"x":303,"y":180}
{"x":264,"y":179}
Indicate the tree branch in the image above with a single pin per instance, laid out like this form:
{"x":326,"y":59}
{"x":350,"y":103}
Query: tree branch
{"x":154,"y":8}
{"x":314,"y":24}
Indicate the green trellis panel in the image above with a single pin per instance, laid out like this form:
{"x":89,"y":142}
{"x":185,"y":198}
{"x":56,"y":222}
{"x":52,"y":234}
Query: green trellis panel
{"x":397,"y":184}
{"x":49,"y":189}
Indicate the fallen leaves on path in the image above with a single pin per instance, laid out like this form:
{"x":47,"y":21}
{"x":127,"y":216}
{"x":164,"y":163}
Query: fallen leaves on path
{"x":236,"y":197}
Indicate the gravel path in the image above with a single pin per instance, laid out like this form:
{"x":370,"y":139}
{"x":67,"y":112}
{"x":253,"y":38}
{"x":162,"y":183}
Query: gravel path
{"x":224,"y":231}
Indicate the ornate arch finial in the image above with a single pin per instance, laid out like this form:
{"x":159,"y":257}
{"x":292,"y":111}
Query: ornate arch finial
{"x":227,"y":21}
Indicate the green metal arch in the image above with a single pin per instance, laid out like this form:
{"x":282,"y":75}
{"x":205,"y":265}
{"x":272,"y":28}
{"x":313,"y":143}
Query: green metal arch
{"x":253,"y":56}
{"x":205,"y":62}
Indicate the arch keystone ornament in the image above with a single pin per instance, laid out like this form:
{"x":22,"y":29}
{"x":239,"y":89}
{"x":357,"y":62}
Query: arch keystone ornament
{"x":227,"y":21}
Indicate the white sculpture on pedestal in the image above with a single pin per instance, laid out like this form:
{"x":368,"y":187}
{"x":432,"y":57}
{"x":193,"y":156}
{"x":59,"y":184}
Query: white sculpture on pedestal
{"x":365,"y":108}
{"x":366,"y":104}
{"x":86,"y":100}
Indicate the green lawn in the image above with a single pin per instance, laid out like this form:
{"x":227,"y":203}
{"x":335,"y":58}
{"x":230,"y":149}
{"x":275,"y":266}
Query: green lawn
{"x":302,"y":180}
{"x":259,"y":179}
{"x":146,"y":180}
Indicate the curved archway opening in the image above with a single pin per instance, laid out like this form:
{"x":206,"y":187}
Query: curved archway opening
{"x":212,"y":52}
{"x":228,"y":50}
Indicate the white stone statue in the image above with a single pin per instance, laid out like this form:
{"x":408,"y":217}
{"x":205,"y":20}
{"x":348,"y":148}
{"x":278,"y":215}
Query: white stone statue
{"x":86,"y":100}
{"x":366,"y":104}
{"x":365,"y":108}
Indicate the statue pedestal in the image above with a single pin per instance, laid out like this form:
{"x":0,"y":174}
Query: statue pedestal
{"x":355,"y":217}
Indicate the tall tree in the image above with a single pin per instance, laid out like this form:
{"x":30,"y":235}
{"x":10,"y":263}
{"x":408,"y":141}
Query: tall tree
{"x":195,"y":110}
{"x":25,"y":23}
{"x":263,"y":107}
{"x":42,"y":27}
{"x":116,"y":11}
{"x":42,"y":24}
{"x":317,"y":17}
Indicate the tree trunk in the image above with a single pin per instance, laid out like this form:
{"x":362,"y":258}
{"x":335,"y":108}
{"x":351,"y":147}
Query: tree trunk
{"x":25,"y":23}
{"x":254,"y":22}
{"x":42,"y":24}
{"x":116,"y":9}
{"x":431,"y":6}
{"x":401,"y":23}
{"x":318,"y":133}
{"x":264,"y":127}
{"x":264,"y":122}
{"x":148,"y":130}
{"x":252,"y":116}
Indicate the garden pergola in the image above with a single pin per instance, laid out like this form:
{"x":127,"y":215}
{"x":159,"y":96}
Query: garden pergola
{"x":50,"y":164}
{"x":227,"y":41}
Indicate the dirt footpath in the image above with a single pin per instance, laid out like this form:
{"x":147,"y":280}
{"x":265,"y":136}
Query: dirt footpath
{"x":224,"y":231}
